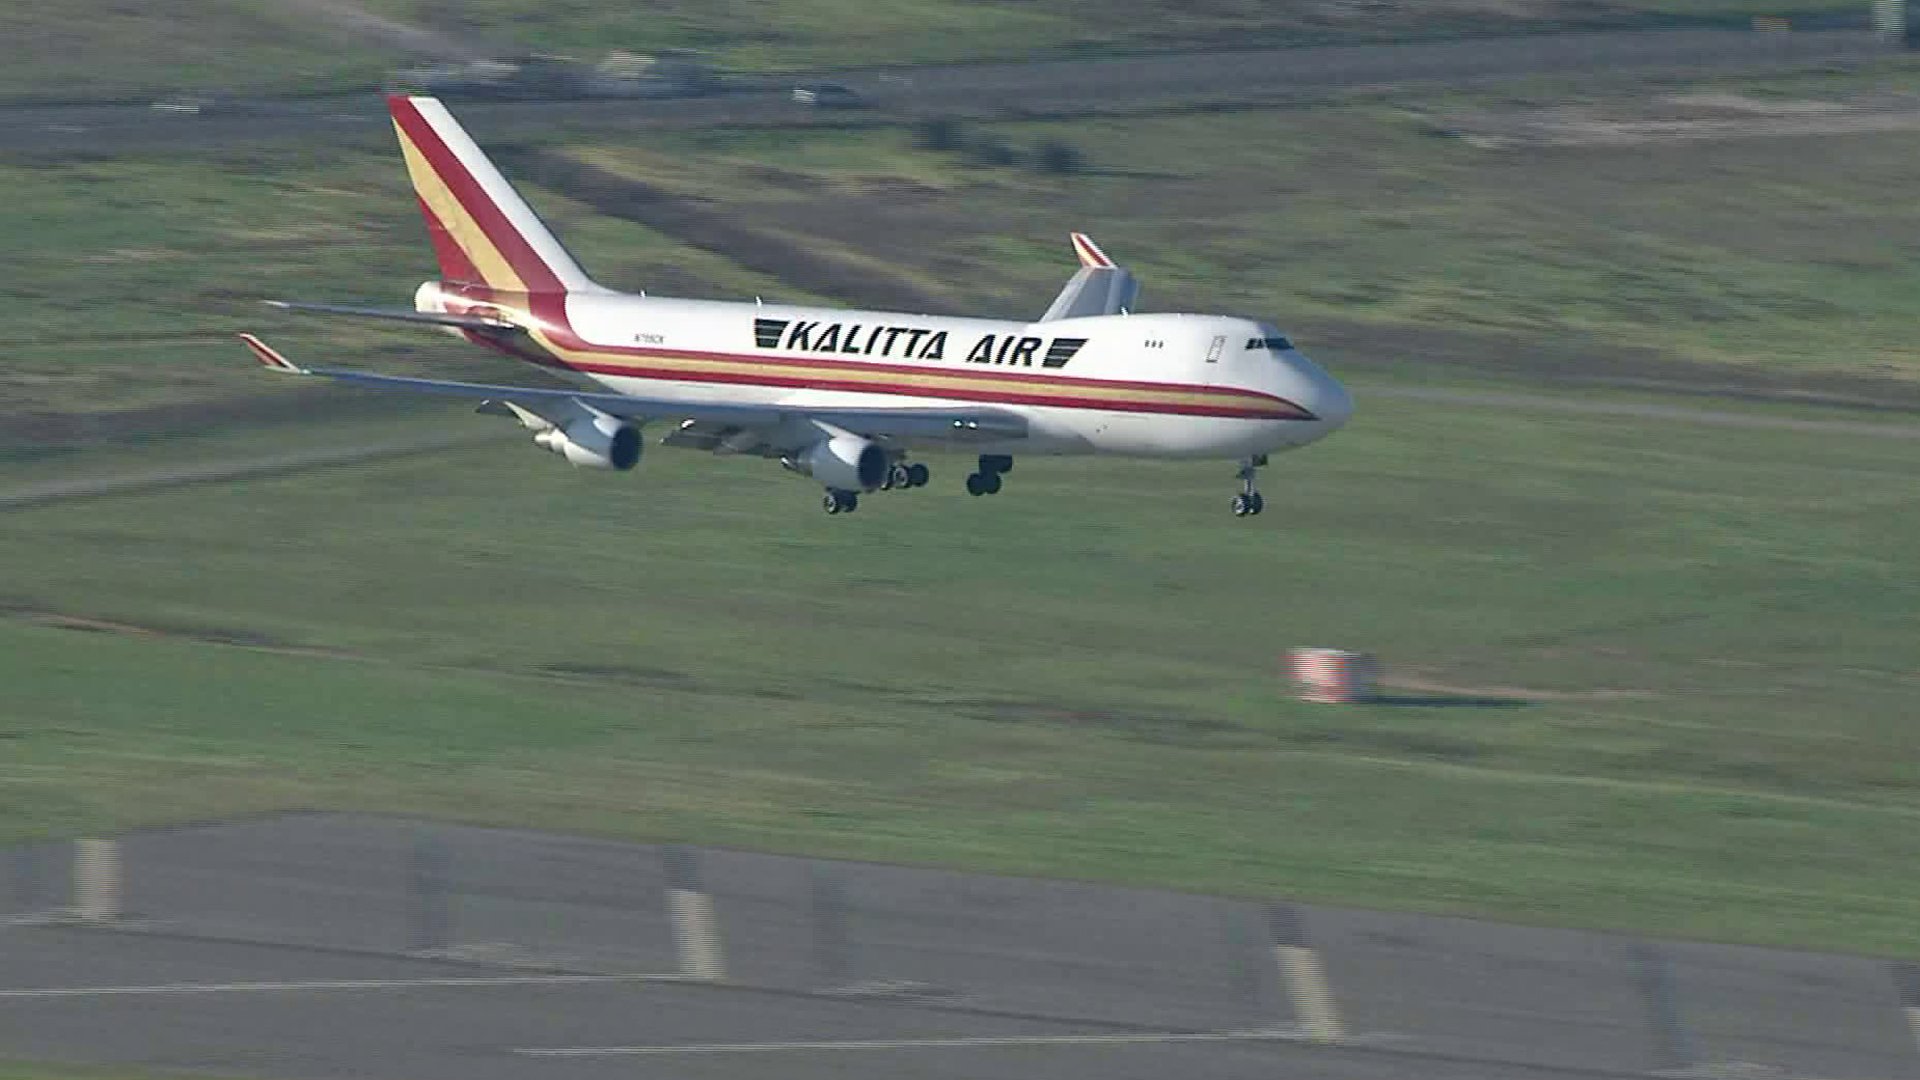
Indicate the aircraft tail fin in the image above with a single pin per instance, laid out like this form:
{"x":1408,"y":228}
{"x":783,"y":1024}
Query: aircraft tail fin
{"x":483,"y":232}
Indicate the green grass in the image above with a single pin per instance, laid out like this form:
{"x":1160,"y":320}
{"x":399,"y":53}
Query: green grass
{"x":1744,"y":252}
{"x":111,"y":49}
{"x":185,"y":248}
{"x":1348,"y":219}
{"x":34,"y":1070}
{"x":839,"y":33}
{"x":1706,"y":632}
{"x":106,"y":49}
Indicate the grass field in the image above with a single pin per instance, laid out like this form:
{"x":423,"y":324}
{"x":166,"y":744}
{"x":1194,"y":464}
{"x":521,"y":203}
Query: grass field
{"x":1753,"y":251}
{"x":112,"y":49}
{"x":186,"y":249}
{"x":1350,"y":223}
{"x":758,"y":34}
{"x":1649,"y":675}
{"x":1658,"y":674}
{"x":33,"y":1070}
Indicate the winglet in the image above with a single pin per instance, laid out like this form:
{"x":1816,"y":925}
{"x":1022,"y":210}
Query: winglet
{"x":270,"y":357}
{"x":1089,"y":252}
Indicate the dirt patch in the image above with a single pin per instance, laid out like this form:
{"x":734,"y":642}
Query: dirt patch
{"x":1683,"y":118}
{"x":361,"y":24}
{"x":1148,"y":727}
{"x":912,"y":224}
{"x":626,"y":675}
{"x":210,"y":635}
{"x":1442,"y":690}
{"x":718,"y":230}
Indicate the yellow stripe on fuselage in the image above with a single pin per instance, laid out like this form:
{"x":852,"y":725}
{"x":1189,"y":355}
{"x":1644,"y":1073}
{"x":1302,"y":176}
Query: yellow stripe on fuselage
{"x":494,"y":270}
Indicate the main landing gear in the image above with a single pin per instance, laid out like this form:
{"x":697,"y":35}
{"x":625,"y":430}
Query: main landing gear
{"x":900,"y":476}
{"x":987,"y":480}
{"x":1249,"y":502}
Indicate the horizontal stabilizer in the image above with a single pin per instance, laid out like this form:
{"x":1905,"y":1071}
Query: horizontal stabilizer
{"x":427,"y":318}
{"x":270,"y":357}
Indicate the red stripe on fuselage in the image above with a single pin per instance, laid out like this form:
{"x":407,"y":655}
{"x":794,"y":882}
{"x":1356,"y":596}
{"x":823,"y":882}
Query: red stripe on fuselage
{"x":1279,"y":410}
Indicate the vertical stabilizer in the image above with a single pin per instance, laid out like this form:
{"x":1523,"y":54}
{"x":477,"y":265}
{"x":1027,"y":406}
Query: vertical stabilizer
{"x":483,"y":232}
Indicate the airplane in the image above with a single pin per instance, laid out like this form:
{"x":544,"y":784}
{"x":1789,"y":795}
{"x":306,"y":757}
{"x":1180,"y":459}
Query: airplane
{"x":836,"y":395}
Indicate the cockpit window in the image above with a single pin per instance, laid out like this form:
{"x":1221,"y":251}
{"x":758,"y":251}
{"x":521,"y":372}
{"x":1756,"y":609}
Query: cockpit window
{"x":1277,"y":344}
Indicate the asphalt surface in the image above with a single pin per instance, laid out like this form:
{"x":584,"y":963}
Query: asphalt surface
{"x":425,"y":1023}
{"x":908,"y":972}
{"x":1062,"y":87}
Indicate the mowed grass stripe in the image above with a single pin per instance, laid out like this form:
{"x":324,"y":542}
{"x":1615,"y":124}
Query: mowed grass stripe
{"x":1705,"y":634}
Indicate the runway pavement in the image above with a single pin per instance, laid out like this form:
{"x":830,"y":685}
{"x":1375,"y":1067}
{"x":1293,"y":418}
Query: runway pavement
{"x":294,"y":946}
{"x":255,"y":1010}
{"x":1059,"y":87}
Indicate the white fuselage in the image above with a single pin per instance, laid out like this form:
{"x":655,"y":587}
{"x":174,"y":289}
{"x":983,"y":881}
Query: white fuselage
{"x":1149,"y":385}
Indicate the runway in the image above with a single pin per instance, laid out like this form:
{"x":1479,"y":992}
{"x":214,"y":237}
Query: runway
{"x":283,"y":1012}
{"x":293,"y":947}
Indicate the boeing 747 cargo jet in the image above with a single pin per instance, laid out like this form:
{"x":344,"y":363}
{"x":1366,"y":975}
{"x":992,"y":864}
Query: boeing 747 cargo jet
{"x":839,"y":396}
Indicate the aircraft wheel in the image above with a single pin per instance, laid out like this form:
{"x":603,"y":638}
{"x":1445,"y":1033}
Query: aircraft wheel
{"x":1242,"y":506}
{"x":976,"y":484}
{"x":1256,"y":503}
{"x":900,"y":476}
{"x":990,"y":483}
{"x":917,"y":475}
{"x":830,"y":502}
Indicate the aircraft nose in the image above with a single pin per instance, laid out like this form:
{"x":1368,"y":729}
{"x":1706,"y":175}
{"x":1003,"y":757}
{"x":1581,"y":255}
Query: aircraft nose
{"x":1320,"y":394}
{"x":1330,"y":402}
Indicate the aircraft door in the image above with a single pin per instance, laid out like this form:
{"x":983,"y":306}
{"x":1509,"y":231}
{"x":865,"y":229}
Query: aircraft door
{"x":1214,"y":350}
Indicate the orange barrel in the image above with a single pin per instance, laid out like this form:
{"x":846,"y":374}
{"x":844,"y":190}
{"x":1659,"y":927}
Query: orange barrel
{"x":1331,"y":676}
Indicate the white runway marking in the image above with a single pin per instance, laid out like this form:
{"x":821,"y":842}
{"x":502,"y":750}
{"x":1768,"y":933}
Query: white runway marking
{"x":959,"y":1042}
{"x":314,"y":985}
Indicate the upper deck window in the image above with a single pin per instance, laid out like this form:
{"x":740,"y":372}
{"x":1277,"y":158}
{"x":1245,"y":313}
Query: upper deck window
{"x":1277,"y":344}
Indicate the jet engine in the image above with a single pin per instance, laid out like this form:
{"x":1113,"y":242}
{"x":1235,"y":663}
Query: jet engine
{"x":842,"y":462}
{"x":598,"y":441}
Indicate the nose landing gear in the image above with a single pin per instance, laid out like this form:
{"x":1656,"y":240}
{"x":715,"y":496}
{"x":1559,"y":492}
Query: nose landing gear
{"x":1249,"y":502}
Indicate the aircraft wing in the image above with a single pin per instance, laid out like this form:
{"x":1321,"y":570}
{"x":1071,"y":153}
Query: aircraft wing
{"x":966,"y":424}
{"x":1099,"y":287}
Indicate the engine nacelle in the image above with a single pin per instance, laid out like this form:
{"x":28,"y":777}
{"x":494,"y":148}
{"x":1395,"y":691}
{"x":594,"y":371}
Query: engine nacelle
{"x":596,"y":442}
{"x":843,"y":462}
